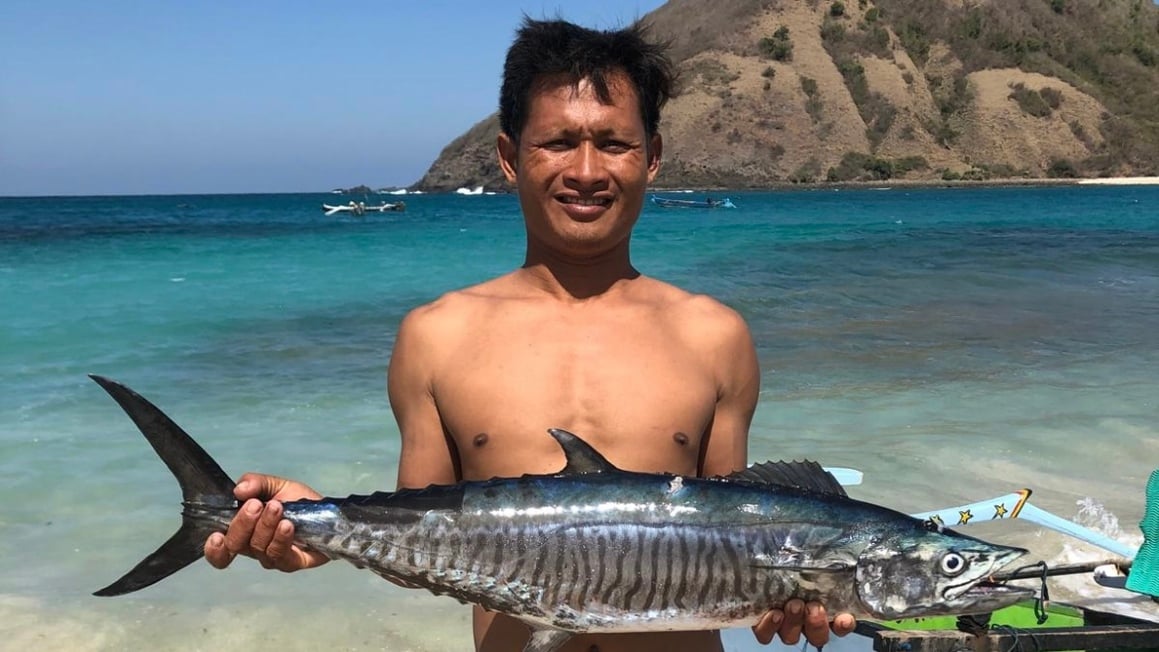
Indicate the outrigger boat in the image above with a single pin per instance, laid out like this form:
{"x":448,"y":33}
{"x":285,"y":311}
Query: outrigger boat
{"x":1039,"y":625}
{"x":1024,"y":627}
{"x":707,"y":202}
{"x":360,"y":208}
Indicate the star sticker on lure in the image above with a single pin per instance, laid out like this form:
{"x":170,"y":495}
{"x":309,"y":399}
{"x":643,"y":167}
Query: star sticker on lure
{"x":964,"y":517}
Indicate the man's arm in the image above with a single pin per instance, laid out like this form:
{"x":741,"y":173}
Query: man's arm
{"x":427,"y":454}
{"x":734,"y":361}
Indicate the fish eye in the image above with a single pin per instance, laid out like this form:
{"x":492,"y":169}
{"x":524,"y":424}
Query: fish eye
{"x":953,"y":564}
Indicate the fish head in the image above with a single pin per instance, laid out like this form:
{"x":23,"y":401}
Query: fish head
{"x":933,"y":571}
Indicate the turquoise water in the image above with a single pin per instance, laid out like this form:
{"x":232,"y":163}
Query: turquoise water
{"x":951,"y":344}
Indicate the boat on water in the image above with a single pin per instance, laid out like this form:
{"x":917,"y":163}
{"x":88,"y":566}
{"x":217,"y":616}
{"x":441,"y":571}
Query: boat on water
{"x":707,"y":202}
{"x":360,"y":208}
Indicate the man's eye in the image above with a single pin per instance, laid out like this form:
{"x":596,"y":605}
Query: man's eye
{"x":617,"y":146}
{"x":557,"y":145}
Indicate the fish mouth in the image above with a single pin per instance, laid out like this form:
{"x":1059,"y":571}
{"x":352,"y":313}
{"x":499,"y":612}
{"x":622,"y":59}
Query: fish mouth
{"x":988,"y":592}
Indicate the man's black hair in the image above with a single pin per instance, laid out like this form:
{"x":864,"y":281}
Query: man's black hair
{"x":545,"y":48}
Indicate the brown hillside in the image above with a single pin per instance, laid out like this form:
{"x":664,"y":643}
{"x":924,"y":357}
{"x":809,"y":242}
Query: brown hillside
{"x":808,"y":91}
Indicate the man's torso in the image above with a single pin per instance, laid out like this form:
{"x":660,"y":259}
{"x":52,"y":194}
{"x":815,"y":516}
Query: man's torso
{"x":632,"y":375}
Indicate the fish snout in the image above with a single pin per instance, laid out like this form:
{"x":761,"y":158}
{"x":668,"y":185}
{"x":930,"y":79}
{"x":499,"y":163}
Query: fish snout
{"x":976,"y":582}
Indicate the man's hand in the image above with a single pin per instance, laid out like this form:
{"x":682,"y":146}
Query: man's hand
{"x":259,"y":531}
{"x":797,"y":618}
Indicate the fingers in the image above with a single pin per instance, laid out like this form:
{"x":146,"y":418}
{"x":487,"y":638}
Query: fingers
{"x":215,"y":551}
{"x":768,"y":625}
{"x":259,"y":530}
{"x":252,"y":532}
{"x":221,"y":550}
{"x":799,"y":618}
{"x":793,"y":623}
{"x":280,"y":551}
{"x":844,"y":624}
{"x":816,"y":624}
{"x":265,"y":528}
{"x":241,"y":528}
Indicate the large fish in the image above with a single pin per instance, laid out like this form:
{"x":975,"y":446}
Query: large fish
{"x":598,"y":549}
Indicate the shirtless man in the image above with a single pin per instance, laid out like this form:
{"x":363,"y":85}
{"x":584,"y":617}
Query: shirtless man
{"x":654,"y":377}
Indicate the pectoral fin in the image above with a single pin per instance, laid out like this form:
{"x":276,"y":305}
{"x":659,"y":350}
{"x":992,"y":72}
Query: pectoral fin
{"x":546,"y":640}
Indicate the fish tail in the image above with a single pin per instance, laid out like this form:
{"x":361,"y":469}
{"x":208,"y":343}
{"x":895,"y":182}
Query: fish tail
{"x":202,"y":481}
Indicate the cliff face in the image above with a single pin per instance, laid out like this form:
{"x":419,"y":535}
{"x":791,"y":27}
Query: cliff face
{"x":800,"y":91}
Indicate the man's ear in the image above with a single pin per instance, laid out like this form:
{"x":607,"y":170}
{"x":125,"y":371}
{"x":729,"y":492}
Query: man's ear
{"x":508,"y":153}
{"x":655,"y":148}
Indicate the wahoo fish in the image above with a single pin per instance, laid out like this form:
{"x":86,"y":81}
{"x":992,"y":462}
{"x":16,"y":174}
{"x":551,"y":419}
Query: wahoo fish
{"x":594,"y":548}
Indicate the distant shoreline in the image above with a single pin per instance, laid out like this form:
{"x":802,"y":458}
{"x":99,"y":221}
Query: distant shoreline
{"x":927,"y":183}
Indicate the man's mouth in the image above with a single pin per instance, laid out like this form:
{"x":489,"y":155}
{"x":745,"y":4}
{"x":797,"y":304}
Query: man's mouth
{"x":586,"y":201}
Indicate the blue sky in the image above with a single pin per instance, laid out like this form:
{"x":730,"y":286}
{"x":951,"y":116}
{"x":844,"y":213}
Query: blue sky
{"x":257,"y":96}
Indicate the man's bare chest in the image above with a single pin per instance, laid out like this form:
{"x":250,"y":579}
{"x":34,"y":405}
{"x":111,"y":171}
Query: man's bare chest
{"x":627,"y":392}
{"x":580,"y":366}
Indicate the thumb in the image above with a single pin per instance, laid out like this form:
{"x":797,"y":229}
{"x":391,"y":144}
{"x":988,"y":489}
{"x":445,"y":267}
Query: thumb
{"x":257,"y":485}
{"x":216,"y":553}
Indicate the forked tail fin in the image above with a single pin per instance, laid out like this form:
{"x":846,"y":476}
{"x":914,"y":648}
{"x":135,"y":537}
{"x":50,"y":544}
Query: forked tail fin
{"x":202,"y":483}
{"x":1144,"y":575}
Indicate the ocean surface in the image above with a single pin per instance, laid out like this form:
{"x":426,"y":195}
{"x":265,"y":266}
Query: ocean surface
{"x":952,"y":344}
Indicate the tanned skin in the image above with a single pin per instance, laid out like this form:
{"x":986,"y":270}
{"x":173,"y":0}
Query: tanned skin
{"x":655,"y":378}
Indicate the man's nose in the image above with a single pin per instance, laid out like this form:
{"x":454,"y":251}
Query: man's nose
{"x":587,"y":166}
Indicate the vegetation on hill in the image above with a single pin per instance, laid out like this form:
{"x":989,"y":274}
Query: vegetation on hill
{"x":1108,"y":49}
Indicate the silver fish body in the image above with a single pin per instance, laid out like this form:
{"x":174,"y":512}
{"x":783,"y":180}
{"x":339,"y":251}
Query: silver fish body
{"x":598,"y":549}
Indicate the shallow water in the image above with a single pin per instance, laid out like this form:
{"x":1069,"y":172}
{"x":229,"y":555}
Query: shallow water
{"x":951,"y":344}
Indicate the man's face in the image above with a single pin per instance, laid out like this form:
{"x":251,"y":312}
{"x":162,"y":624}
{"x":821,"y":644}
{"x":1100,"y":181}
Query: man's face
{"x":581,"y":167}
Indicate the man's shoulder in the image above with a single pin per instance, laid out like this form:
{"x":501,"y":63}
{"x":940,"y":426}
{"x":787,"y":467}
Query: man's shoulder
{"x":456,"y":308}
{"x":699,"y":310}
{"x":703,"y":323}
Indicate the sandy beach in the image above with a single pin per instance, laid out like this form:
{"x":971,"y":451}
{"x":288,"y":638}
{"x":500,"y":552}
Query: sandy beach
{"x":1121,"y":181}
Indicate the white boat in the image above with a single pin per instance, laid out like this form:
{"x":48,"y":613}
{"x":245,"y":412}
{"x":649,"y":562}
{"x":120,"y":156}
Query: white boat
{"x":360,"y":208}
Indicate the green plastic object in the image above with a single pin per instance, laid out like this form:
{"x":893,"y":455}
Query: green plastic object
{"x":1020,"y":616}
{"x":1144,"y":575}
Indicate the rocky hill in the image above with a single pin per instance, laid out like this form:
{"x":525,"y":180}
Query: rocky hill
{"x":810,"y":91}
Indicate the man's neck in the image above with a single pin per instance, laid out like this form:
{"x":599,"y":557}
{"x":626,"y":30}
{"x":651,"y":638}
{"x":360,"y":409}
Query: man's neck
{"x":578,"y":280}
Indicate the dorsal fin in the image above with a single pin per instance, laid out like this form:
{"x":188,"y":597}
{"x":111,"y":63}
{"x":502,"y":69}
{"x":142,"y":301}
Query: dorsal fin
{"x":802,"y":475}
{"x":581,"y":458}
